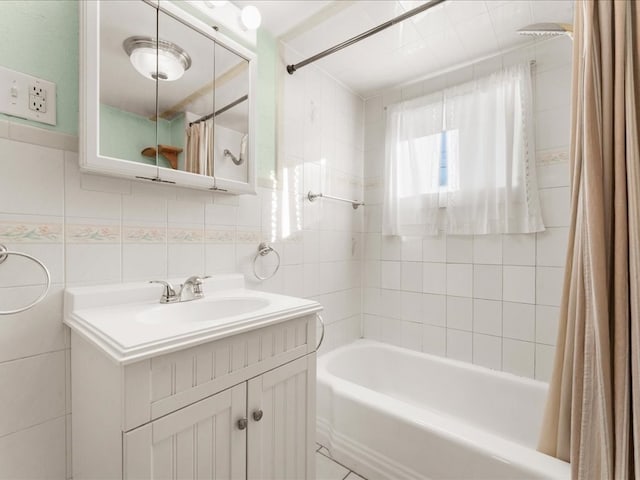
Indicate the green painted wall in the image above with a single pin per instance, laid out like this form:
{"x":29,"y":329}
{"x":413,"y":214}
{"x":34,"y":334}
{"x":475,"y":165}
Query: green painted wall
{"x":267,"y":92}
{"x":40,"y":38}
{"x":177,"y":137}
{"x":124,"y":135}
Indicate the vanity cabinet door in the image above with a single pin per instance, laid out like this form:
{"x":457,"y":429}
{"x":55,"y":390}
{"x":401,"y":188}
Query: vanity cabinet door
{"x":202,"y":441}
{"x":281,"y":413}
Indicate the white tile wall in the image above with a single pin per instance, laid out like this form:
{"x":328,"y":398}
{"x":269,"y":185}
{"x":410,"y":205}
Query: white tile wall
{"x":434,"y":340}
{"x":518,"y":284}
{"x":92,"y":230}
{"x":460,"y":313}
{"x":488,"y":299}
{"x":411,"y":276}
{"x":459,"y":279}
{"x":34,"y":387}
{"x":434,"y":278}
{"x":434,"y":309}
{"x":35,"y":452}
{"x":487,"y":317}
{"x":487,"y":351}
{"x":459,"y":345}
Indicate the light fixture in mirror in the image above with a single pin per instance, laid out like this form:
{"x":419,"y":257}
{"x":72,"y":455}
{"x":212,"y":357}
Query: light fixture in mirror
{"x":250,"y":17}
{"x":157,"y":59}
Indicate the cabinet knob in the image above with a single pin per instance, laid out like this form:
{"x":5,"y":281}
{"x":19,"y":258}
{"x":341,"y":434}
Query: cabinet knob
{"x":257,"y":415}
{"x":242,"y":423}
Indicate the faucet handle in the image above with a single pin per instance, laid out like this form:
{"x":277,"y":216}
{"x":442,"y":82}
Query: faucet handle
{"x":198,"y":286}
{"x":195,"y":282}
{"x":169,"y":294}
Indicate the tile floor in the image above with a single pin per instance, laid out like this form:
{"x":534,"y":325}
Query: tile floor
{"x":329,"y":469}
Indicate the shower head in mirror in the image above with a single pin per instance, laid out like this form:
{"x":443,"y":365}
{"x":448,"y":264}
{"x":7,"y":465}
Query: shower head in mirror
{"x":157,"y":59}
{"x":547,"y":30}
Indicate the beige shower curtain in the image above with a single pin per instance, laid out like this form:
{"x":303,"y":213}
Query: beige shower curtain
{"x":199,"y":157}
{"x":593,"y":410}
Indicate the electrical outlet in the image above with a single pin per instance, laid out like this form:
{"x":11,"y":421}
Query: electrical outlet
{"x":37,"y":99}
{"x":37,"y":104}
{"x":24,"y":96}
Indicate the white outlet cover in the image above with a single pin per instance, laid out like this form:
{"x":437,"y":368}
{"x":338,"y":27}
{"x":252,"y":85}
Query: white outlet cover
{"x":16,"y":94}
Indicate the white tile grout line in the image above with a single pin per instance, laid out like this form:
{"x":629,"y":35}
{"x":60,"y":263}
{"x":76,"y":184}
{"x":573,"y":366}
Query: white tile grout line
{"x":338,"y":463}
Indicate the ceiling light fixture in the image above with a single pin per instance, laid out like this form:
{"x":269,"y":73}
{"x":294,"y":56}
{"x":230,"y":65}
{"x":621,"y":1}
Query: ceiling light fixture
{"x":250,"y":17}
{"x":157,"y":59}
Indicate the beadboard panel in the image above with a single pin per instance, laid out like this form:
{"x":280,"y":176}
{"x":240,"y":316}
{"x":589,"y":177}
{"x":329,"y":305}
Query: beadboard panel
{"x":173,"y":381}
{"x":280,"y":442}
{"x":200,"y":441}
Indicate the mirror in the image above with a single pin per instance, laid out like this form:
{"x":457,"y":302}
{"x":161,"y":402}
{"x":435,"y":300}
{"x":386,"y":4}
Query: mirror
{"x":127,"y":99}
{"x":165,"y":98}
{"x":186,"y":100}
{"x":231,"y":145}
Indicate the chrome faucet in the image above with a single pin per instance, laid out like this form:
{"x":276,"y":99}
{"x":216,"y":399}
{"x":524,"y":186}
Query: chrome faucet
{"x":168,"y":294}
{"x":193,"y":284}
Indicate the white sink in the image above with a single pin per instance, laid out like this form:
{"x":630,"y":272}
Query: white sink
{"x":128,"y":322}
{"x":203,"y":310}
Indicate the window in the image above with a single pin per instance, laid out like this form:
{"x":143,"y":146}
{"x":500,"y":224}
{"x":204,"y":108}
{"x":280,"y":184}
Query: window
{"x":466,"y":148}
{"x":443,"y":178}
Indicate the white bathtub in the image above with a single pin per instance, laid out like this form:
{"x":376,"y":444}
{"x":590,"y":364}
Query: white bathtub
{"x":388,"y":412}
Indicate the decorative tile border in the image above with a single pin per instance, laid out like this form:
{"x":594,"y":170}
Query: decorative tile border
{"x":248,"y":236}
{"x":552,"y":156}
{"x":81,"y":233}
{"x":24,"y":232}
{"x":220,"y":236}
{"x":374,"y":182}
{"x":143,"y":234}
{"x":185,"y":235}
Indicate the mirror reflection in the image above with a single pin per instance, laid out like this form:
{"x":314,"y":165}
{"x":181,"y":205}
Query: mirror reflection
{"x":186,"y":99}
{"x":231,"y":132}
{"x":127,"y":98}
{"x":169,"y":95}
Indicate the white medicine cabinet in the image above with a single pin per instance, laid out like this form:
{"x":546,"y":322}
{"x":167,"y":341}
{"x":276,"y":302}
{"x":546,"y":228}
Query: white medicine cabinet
{"x":165,"y":97}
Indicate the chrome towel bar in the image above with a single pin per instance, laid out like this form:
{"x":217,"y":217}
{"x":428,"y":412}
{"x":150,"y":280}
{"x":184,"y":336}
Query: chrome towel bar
{"x":314,"y":196}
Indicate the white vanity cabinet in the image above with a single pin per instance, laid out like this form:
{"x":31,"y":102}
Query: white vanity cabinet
{"x":258,"y":429}
{"x":235,"y":402}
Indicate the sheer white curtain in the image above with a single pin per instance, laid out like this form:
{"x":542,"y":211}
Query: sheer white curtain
{"x":412,"y":167}
{"x":484,"y":141}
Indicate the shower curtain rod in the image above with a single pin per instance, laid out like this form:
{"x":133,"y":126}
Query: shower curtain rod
{"x":222,"y":110}
{"x":292,"y":68}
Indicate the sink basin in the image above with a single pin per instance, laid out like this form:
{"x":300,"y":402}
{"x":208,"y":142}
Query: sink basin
{"x":127,"y":322}
{"x":203,"y":310}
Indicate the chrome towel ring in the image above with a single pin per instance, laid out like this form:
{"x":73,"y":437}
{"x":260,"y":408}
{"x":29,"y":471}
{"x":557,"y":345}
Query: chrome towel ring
{"x":263,"y":250}
{"x":322,"y":334}
{"x":4,"y":254}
